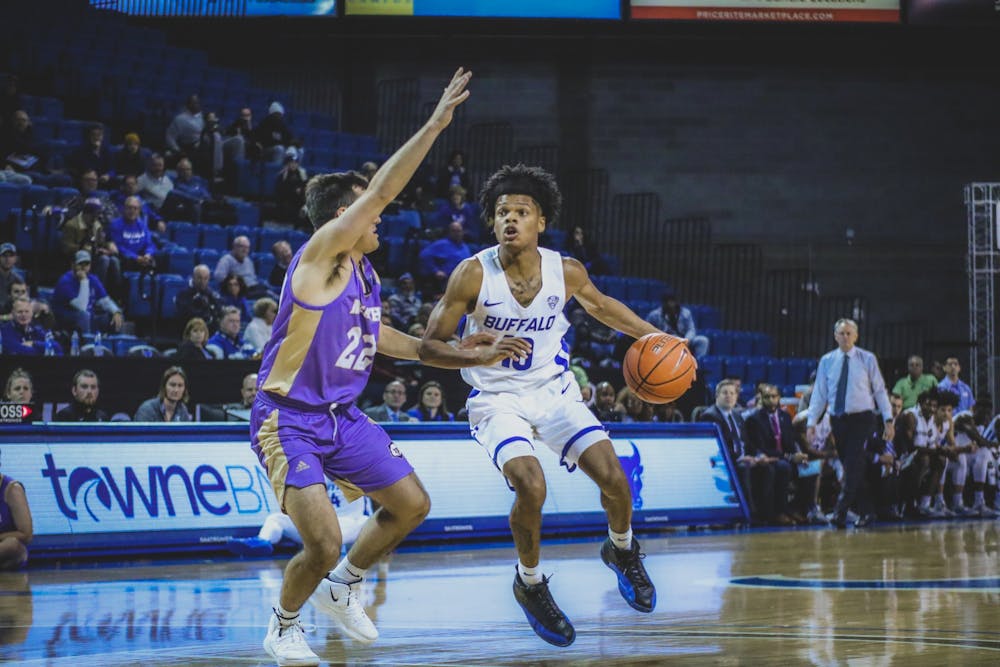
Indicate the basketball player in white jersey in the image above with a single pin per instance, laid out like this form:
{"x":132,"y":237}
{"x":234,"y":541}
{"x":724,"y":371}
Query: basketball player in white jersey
{"x":926,"y":442}
{"x":517,"y":289}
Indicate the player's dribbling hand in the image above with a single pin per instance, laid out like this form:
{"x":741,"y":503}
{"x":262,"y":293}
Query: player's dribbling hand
{"x":454,"y":94}
{"x":507,"y":347}
{"x":475,"y":340}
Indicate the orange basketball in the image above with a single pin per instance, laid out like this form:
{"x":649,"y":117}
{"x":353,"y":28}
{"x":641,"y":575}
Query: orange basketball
{"x":659,"y":368}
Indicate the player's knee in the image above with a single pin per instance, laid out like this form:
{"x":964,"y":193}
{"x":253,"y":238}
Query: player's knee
{"x":420,"y":507}
{"x":530,"y":489}
{"x":323,"y":553}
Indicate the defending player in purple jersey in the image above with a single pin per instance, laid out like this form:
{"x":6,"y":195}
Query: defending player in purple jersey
{"x":305,"y":426}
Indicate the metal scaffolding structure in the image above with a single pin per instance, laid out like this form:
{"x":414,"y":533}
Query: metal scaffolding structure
{"x":983,"y":267}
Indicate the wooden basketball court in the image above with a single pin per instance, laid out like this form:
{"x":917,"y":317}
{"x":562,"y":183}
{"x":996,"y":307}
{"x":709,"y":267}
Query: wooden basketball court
{"x":924,"y":594}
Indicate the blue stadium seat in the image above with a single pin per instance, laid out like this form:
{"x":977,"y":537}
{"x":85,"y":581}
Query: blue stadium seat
{"x":556,"y":238}
{"x":247,"y":214}
{"x":32,"y":230}
{"x":712,"y":368}
{"x":297,"y":239}
{"x":777,"y":372}
{"x":180,"y":260}
{"x":736,"y":366}
{"x":720,"y":341}
{"x":269,"y":178}
{"x":251,"y":233}
{"x":395,"y":226}
{"x":186,"y":234}
{"x":756,"y":369}
{"x":119,"y":343}
{"x":72,"y":130}
{"x":44,"y":129}
{"x":615,"y":287}
{"x":247,"y":179}
{"x":207,"y":256}
{"x":215,"y":237}
{"x":62,"y":194}
{"x":168,"y":287}
{"x":10,"y":198}
{"x":799,"y":370}
{"x":141,"y":294}
{"x":38,"y":196}
{"x":761,"y":344}
{"x":396,"y":255}
{"x":742,"y":343}
{"x":705,"y":317}
{"x":45,"y":293}
{"x":746,"y":392}
{"x":263,"y":262}
{"x":268,"y":237}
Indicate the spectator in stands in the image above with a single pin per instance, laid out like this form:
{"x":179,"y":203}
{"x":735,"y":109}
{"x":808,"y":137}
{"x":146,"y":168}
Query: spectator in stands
{"x":368,"y":170}
{"x":954,"y":384}
{"x":582,"y":249}
{"x":668,"y":413}
{"x":94,"y":154}
{"x":21,"y":335}
{"x":19,"y":387}
{"x":130,"y":188}
{"x":749,"y":470}
{"x":771,"y":440}
{"x":132,"y":238}
{"x":19,"y":149}
{"x":154,"y":185}
{"x":914,"y":383}
{"x":239,"y":143}
{"x":9,"y":272}
{"x":452,"y":174}
{"x":440,"y":258}
{"x":273,"y":134}
{"x":290,"y":188}
{"x":85,"y":231}
{"x":87,"y":184}
{"x":209,"y":156}
{"x":234,"y":293}
{"x":8,"y":175}
{"x":199,"y":300}
{"x":675,"y":319}
{"x":16,"y":289}
{"x":282,"y":251}
{"x":237,"y":261}
{"x":405,"y":302}
{"x":194,"y":342}
{"x":391,"y":409}
{"x":458,"y":209}
{"x":937,"y":370}
{"x":431,"y":404}
{"x":227,"y":340}
{"x":636,"y":409}
{"x":16,"y":529}
{"x":258,"y":331}
{"x":86,"y":390}
{"x":184,"y":131}
{"x":129,"y":161}
{"x":189,"y":194}
{"x":248,"y":392}
{"x":419,"y":198}
{"x":81,"y":302}
{"x":605,"y":406}
{"x":170,"y":404}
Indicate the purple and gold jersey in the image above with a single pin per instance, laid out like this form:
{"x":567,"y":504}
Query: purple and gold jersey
{"x":319,"y":355}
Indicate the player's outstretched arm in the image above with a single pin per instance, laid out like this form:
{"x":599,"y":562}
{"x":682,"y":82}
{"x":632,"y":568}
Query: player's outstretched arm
{"x":459,"y":299}
{"x":605,"y":309}
{"x":394,"y":343}
{"x":340,"y":235}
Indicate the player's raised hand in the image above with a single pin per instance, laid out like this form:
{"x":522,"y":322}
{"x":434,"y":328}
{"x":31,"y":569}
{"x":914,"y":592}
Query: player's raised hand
{"x":454,"y":94}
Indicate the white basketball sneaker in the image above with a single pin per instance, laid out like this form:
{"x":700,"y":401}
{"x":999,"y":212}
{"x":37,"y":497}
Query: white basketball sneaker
{"x":288,"y":646}
{"x":343,"y":602}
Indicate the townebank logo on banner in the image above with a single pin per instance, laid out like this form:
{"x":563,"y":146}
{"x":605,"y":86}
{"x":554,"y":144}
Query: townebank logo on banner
{"x":142,"y":486}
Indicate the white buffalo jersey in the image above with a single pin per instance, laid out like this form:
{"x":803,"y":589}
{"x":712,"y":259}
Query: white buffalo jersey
{"x":542,"y":322}
{"x":928,"y":434}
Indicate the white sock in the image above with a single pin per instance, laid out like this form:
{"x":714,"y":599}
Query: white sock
{"x":286,"y":619}
{"x":980,"y":499}
{"x":347,"y":573}
{"x":939,"y":498}
{"x":529,"y":575}
{"x":957,"y":500}
{"x":925,"y":501}
{"x":270,"y":531}
{"x":621,"y":540}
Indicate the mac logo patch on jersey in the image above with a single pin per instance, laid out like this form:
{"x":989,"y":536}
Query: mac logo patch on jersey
{"x":553,"y":302}
{"x":394,"y":450}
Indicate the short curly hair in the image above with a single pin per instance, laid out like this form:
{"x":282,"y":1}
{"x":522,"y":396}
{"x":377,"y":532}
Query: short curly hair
{"x":325,"y":193}
{"x":520,"y":179}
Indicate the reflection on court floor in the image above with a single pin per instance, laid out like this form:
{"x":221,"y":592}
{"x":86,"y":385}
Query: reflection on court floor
{"x":911,"y":595}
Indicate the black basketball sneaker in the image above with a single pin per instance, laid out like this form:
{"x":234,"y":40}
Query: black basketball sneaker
{"x":633,"y":582}
{"x":544,"y":615}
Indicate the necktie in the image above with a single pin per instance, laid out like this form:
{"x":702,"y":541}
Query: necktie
{"x":839,"y":404}
{"x":776,"y":427}
{"x":737,"y":442}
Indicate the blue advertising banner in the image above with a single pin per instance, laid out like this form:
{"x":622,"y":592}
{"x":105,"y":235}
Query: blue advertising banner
{"x":128,"y":488}
{"x":579,"y":9}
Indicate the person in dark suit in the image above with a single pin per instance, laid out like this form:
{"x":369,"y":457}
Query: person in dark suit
{"x":771,"y":437}
{"x":733,"y":430}
{"x":391,"y":409}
